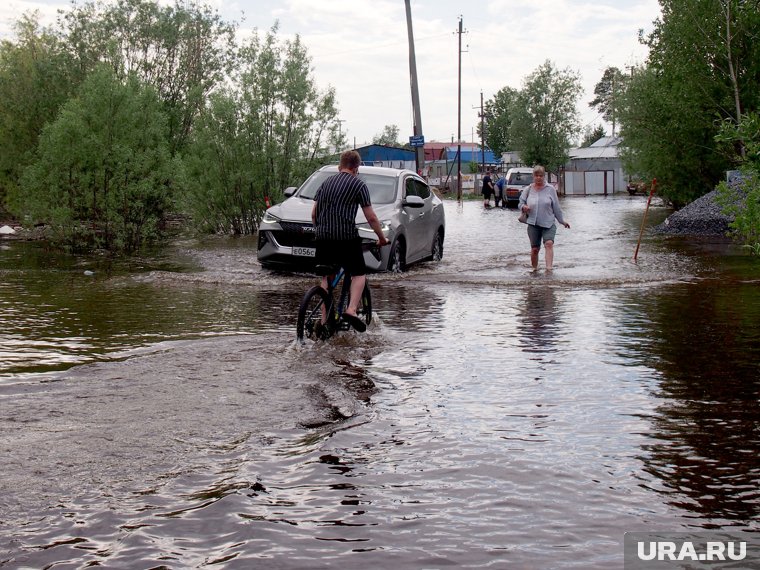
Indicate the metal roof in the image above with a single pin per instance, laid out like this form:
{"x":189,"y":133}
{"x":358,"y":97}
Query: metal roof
{"x":605,"y":147}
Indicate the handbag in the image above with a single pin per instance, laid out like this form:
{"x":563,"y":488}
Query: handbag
{"x":523,"y":217}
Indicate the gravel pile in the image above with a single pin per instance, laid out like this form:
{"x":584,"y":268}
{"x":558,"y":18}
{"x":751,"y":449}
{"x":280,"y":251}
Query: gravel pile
{"x":702,"y":217}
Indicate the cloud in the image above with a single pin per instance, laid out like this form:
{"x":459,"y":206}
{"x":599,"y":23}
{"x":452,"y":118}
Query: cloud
{"x":360,"y":48}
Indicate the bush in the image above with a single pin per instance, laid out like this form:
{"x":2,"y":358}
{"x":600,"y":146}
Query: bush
{"x":741,"y":199}
{"x":103,"y":176}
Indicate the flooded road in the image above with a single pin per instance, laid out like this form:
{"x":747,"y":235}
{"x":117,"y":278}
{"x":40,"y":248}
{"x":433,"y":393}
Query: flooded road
{"x":161,"y":415}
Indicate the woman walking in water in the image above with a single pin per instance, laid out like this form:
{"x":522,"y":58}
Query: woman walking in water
{"x":539,"y":200}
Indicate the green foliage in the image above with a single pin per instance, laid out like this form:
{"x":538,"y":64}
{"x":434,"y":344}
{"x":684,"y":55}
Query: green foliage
{"x":741,"y":198}
{"x":102,"y":174}
{"x":608,"y":92}
{"x":499,"y":119}
{"x":591,"y":135}
{"x":222,"y":192}
{"x":253,"y":142}
{"x":388,"y":137}
{"x":545,"y":117}
{"x":703,"y":67}
{"x":35,"y":80}
{"x":184,"y":51}
{"x":667,"y":137}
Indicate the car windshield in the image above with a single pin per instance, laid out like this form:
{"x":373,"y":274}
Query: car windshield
{"x":382,"y":189}
{"x":521,"y":178}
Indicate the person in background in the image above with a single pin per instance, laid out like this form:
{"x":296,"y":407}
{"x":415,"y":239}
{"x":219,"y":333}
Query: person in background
{"x":500,"y":197}
{"x":539,"y":200}
{"x":487,"y":189}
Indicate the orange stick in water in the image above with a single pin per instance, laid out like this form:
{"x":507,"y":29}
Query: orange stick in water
{"x":649,"y":200}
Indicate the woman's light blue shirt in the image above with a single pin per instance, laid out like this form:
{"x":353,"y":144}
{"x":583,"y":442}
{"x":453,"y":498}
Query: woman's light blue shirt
{"x":544,"y":206}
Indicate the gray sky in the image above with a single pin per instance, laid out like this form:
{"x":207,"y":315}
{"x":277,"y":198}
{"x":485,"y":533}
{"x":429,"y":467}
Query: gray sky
{"x":361,"y":49}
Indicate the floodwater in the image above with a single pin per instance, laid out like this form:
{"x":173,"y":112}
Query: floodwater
{"x":159,"y":413}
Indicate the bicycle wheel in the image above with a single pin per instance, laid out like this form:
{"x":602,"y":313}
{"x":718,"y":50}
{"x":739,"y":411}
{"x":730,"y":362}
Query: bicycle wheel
{"x":310,"y":315}
{"x":364,"y":311}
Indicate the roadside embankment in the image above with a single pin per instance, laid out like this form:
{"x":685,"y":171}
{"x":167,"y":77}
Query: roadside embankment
{"x":703,"y":216}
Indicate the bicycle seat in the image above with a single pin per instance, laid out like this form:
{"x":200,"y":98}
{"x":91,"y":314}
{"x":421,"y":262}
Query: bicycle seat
{"x":322,"y":270}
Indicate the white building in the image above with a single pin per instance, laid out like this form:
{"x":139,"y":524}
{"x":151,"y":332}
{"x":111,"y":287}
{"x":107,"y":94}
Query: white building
{"x":596,"y":169}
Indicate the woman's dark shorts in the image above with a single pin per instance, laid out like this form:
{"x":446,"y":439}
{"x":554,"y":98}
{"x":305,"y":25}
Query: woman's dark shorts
{"x":536,"y":234}
{"x":342,"y":253}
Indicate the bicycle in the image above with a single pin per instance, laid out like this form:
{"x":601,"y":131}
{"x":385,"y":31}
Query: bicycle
{"x":316,"y":299}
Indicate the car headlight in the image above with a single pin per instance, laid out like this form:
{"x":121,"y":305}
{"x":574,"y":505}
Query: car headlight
{"x":269,"y":218}
{"x":365,"y":228}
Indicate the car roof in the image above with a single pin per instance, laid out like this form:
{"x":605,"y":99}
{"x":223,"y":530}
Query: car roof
{"x":521,"y":169}
{"x":378,"y":170}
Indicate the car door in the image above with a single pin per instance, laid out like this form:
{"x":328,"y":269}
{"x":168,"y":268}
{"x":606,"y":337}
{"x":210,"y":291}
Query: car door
{"x":419,"y":235}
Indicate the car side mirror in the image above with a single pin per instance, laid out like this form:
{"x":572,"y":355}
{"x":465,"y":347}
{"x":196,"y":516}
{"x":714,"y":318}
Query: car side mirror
{"x":290,"y":190}
{"x":413,"y":202}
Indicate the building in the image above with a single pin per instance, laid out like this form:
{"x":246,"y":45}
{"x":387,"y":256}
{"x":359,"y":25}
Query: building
{"x":442,"y":161}
{"x":390,"y":156}
{"x":473,"y":154}
{"x":596,"y":169}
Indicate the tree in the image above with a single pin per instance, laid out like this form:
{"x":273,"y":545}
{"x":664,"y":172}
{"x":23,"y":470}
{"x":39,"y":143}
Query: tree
{"x":268,"y":132}
{"x":741,"y":198}
{"x":703,"y":68}
{"x":667,"y":138}
{"x":608,"y":93}
{"x":498,"y":113}
{"x":184,"y":51}
{"x":545,"y":117}
{"x":388,"y":137}
{"x":102,"y":177}
{"x":35,"y":80}
{"x":591,"y":135}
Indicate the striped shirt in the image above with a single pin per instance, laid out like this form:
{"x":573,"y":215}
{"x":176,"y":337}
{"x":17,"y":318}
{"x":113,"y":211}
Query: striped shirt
{"x":338,"y":200}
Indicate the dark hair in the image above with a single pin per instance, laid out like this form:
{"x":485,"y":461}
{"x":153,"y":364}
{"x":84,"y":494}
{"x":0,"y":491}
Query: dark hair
{"x":350,"y":160}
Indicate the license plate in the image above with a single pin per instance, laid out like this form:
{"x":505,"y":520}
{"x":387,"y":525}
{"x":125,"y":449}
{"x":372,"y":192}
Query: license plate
{"x":304,"y":251}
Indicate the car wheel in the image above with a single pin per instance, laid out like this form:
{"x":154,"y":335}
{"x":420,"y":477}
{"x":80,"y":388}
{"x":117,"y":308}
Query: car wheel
{"x":397,"y":258}
{"x":437,"y":253}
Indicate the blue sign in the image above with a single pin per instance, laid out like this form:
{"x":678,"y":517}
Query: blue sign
{"x":417,"y":140}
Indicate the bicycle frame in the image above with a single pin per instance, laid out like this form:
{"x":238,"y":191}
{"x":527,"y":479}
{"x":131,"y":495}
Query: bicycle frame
{"x":335,"y":312}
{"x":321,"y":316}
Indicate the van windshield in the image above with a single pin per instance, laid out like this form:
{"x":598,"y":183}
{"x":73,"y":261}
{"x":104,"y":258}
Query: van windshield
{"x":382,"y":189}
{"x":520,"y":178}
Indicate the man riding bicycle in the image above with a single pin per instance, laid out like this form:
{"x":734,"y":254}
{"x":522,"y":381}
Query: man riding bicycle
{"x":337,"y":240}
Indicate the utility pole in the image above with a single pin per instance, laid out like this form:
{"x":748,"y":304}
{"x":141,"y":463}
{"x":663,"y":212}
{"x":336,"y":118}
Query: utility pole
{"x":482,"y":136}
{"x":419,"y":150}
{"x":459,"y":118}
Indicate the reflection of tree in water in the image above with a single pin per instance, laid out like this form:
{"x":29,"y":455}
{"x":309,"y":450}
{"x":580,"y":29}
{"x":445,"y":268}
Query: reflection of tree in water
{"x":706,"y":440}
{"x":538,"y":319}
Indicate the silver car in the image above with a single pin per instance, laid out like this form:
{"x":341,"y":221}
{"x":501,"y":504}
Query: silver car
{"x":410,"y":213}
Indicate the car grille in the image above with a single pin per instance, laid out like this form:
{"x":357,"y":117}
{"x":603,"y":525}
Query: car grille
{"x":295,"y":235}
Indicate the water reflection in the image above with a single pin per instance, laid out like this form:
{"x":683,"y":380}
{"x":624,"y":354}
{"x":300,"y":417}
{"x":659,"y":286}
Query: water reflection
{"x":539,"y":319}
{"x":705,"y":443}
{"x":490,"y":417}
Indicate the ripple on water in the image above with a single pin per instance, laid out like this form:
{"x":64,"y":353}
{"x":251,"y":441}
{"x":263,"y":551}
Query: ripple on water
{"x":491,"y":416}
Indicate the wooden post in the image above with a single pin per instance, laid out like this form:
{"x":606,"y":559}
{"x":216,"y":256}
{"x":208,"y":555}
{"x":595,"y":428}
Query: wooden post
{"x":644,"y":219}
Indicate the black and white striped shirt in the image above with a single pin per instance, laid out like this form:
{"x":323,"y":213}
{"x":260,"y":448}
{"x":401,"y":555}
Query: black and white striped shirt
{"x":338,"y":200}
